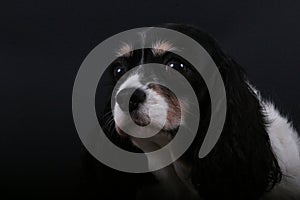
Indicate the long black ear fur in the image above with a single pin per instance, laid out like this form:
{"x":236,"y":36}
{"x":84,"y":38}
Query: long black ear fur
{"x":242,"y":164}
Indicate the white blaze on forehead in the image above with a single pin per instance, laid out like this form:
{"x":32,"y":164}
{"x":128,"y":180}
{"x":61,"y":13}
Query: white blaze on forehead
{"x":161,"y":46}
{"x":132,"y":81}
{"x":125,"y":50}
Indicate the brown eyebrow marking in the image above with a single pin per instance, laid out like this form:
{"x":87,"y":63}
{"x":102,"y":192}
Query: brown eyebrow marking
{"x":161,"y":46}
{"x":158,"y":48}
{"x":125,"y":50}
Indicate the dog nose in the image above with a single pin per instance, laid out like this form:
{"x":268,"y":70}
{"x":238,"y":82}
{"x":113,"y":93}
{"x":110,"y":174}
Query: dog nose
{"x":137,"y":97}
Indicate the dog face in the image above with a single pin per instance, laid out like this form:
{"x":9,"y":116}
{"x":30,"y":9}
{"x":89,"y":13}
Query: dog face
{"x":147,"y":95}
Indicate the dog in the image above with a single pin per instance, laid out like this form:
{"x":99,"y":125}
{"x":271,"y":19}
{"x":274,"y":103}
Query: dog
{"x":256,"y":157}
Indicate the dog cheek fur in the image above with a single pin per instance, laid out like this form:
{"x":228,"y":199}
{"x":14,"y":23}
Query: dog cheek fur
{"x":174,"y":108}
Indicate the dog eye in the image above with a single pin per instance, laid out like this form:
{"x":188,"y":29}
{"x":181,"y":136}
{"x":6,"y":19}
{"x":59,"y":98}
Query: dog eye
{"x":119,"y":71}
{"x":177,"y":65}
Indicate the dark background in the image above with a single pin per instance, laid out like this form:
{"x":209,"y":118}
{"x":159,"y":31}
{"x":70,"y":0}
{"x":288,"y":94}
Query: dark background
{"x":42,"y":44}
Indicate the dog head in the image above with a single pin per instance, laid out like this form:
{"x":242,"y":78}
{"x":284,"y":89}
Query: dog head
{"x":237,"y":148}
{"x":141,"y":85}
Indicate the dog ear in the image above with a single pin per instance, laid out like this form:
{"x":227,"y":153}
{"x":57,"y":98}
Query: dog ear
{"x":242,"y":163}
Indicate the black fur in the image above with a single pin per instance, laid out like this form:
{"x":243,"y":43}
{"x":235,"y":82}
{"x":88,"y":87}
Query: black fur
{"x":240,"y":166}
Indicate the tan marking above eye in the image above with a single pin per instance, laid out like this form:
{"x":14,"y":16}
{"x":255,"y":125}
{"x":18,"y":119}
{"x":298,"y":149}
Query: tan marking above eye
{"x":125,"y":50}
{"x":158,"y":48}
{"x":161,"y":46}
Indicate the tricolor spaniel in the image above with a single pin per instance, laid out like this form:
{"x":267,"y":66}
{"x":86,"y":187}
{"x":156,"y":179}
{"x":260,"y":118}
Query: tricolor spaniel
{"x":256,"y":157}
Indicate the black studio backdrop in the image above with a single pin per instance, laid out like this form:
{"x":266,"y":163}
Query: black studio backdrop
{"x":42,"y":44}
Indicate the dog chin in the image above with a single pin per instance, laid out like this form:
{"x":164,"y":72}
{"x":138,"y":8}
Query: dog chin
{"x":143,"y":120}
{"x":160,"y":139}
{"x":164,"y":130}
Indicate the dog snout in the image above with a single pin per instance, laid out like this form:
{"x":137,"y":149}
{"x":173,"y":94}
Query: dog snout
{"x":136,"y":99}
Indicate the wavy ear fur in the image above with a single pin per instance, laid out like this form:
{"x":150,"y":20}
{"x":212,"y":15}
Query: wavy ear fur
{"x":242,"y":164}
